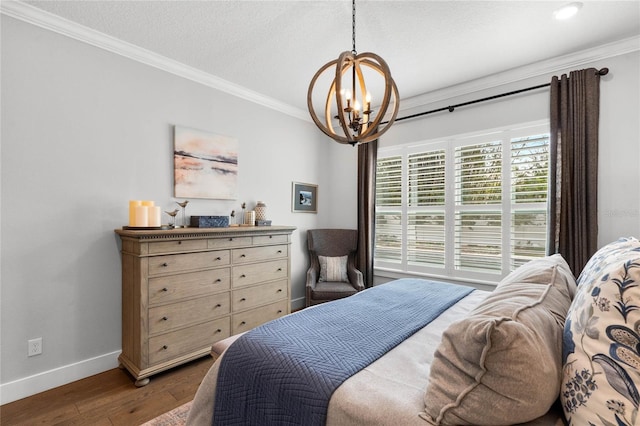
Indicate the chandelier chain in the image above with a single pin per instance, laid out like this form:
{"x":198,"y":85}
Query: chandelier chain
{"x":353,"y":26}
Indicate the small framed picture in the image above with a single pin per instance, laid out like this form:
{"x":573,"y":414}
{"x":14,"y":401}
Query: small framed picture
{"x":304,"y":198}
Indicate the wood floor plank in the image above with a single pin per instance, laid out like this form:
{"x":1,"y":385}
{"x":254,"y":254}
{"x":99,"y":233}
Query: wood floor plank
{"x":108,"y":399}
{"x":139,"y":411}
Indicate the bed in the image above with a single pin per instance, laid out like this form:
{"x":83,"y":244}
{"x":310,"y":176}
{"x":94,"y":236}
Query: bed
{"x":485,"y":358}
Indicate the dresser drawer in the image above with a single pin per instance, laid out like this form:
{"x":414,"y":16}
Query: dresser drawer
{"x":168,"y":317}
{"x":244,"y":275}
{"x":185,"y":262}
{"x":177,"y":246}
{"x":245,"y":321}
{"x":180,"y":342}
{"x":175,"y":287}
{"x":250,"y":297}
{"x":260,"y":240}
{"x":254,"y":254}
{"x":228,"y":242}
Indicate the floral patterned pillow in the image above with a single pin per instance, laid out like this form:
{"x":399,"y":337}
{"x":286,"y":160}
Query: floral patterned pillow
{"x":601,"y":345}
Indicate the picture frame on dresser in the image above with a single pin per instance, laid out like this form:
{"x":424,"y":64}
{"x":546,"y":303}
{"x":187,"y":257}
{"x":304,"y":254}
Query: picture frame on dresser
{"x":304,"y":197}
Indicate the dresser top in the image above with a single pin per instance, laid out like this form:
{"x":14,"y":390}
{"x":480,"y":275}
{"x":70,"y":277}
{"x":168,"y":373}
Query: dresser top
{"x":204,"y":232}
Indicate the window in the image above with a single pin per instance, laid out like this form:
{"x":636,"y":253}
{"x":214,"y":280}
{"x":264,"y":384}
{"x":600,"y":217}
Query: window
{"x":468,"y":207}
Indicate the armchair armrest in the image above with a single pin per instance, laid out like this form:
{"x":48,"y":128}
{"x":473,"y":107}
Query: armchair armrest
{"x":312,"y":277}
{"x":355,"y":276}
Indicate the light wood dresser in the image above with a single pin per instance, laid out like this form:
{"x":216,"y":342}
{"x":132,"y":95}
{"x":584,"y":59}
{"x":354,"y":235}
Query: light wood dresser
{"x":184,"y":289}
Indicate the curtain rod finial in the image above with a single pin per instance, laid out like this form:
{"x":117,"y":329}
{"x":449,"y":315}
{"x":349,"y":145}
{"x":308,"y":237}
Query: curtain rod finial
{"x":603,"y":71}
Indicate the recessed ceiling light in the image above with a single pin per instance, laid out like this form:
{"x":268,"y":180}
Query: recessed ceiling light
{"x":567,"y":11}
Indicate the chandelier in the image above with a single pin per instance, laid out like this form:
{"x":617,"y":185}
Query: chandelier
{"x":349,"y":102}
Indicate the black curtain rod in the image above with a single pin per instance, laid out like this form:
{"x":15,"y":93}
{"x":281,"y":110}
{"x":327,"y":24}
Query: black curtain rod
{"x":451,"y":108}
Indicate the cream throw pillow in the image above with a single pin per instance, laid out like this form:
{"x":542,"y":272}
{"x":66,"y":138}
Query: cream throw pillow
{"x":502,"y":364}
{"x":333,"y":268}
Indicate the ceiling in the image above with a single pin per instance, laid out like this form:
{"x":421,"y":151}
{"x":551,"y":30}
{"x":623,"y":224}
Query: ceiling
{"x":275,"y":47}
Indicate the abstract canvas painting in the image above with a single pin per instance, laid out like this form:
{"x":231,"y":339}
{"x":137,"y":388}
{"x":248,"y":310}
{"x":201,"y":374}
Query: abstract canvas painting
{"x":205,"y":165}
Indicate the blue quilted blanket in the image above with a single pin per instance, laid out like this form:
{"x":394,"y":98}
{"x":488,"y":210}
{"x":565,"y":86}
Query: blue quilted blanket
{"x":284,"y":372}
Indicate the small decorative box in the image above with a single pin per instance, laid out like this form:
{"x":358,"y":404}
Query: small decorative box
{"x":263,"y":222}
{"x":209,"y":221}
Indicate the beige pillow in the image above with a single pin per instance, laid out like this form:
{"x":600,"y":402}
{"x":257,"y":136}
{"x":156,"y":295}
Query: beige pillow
{"x":502,"y":364}
{"x":333,"y":268}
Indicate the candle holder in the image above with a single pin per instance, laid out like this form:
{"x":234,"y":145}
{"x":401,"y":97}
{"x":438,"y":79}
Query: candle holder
{"x":172,"y":218}
{"x":183,"y":205}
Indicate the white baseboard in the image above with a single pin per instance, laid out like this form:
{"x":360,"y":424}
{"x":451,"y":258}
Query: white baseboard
{"x":297,"y":304}
{"x":27,"y":386}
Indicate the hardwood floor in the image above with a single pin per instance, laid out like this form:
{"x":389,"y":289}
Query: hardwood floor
{"x":108,"y":398}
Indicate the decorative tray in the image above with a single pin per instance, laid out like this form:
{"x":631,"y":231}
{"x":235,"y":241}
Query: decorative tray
{"x":147,"y":228}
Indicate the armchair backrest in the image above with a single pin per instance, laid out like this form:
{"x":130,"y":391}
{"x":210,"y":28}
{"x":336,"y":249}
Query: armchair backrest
{"x":332,"y":242}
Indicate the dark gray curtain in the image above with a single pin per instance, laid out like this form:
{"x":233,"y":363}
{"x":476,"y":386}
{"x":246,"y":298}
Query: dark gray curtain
{"x":367,"y":160}
{"x":574,"y":116}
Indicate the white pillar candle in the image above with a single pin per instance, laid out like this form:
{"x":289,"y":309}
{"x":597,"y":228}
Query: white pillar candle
{"x":142,"y":216}
{"x":132,"y":211}
{"x":154,"y":216}
{"x":250,"y":218}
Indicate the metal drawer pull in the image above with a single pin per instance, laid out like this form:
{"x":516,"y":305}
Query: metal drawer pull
{"x":218,"y":331}
{"x":165,"y":264}
{"x":165,"y":289}
{"x":179,"y":242}
{"x":165,"y":319}
{"x":218,"y":305}
{"x":279,"y":290}
{"x":243,"y":299}
{"x":243,"y":276}
{"x":279,"y":311}
{"x":218,"y":280}
{"x":279,"y":251}
{"x":242,"y":323}
{"x":218,"y":258}
{"x":243,"y":255}
{"x":165,"y":347}
{"x":279,"y":269}
{"x":230,"y":239}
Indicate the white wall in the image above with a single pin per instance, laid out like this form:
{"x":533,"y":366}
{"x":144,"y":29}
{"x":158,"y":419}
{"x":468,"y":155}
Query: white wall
{"x":619,"y":148}
{"x":83,"y":131}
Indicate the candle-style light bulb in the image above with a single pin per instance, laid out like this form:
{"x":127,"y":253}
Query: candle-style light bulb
{"x":356,"y":109}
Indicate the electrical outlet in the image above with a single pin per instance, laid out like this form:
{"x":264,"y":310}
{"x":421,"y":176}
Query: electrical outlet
{"x":34,"y":346}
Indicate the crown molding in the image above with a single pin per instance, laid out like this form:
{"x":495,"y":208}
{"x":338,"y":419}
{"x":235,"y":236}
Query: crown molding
{"x":27,"y":13}
{"x":33,"y":15}
{"x":538,"y":69}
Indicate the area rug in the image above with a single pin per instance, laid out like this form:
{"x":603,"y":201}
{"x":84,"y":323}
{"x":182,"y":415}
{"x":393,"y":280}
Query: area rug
{"x":175,"y":417}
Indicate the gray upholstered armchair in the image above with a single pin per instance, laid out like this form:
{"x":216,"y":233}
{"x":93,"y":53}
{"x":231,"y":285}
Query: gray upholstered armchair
{"x":340,"y":278}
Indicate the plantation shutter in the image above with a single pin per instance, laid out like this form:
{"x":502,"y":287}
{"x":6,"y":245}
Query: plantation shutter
{"x":389,"y":209}
{"x":529,"y":192}
{"x":478,"y":195}
{"x":426,"y":200}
